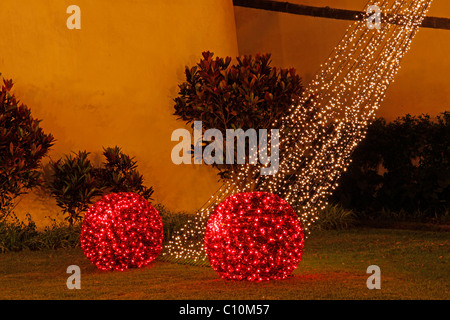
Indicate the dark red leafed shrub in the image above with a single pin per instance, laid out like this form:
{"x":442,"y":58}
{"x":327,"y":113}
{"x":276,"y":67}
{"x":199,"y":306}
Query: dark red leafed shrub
{"x":23,"y":144}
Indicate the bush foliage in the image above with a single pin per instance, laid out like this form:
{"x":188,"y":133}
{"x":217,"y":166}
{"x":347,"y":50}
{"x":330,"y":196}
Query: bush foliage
{"x":250,"y":94}
{"x":400,"y":166}
{"x":172,"y":221}
{"x":74,"y":185}
{"x":76,"y":182}
{"x":22,"y":146}
{"x":18,"y":235}
{"x":120,"y":174}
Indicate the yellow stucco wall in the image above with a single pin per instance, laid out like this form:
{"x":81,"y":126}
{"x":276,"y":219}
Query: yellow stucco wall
{"x":113,"y":81}
{"x":421,"y":86}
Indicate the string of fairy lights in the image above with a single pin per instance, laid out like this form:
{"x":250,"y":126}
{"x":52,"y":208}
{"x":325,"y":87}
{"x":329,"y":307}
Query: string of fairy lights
{"x":375,"y":80}
{"x":319,"y":134}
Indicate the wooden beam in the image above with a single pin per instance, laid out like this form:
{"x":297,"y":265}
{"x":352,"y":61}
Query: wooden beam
{"x":327,"y":12}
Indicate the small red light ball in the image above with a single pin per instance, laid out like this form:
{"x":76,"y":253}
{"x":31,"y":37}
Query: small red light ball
{"x":121,"y":231}
{"x":254,"y":236}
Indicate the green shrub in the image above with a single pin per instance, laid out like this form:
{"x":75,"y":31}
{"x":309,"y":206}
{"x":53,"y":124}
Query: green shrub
{"x":76,"y":182}
{"x":334,"y":217}
{"x":402,"y":166}
{"x":248,"y":94}
{"x":60,"y":235}
{"x":18,"y":235}
{"x":419,"y":216}
{"x":22,"y":146}
{"x":74,"y":185}
{"x":119,"y":174}
{"x":172,"y":221}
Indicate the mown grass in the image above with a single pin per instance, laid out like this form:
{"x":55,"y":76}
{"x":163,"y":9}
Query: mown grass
{"x":414,"y":265}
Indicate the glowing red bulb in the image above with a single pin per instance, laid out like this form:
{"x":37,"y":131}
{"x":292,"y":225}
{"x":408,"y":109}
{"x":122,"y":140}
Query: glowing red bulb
{"x":254,"y":236}
{"x":121,"y":231}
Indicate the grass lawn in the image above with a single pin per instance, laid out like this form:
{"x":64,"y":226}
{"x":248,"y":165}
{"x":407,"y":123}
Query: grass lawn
{"x":414,"y":265}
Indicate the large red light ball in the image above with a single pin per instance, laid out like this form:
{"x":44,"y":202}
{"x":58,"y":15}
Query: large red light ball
{"x":121,"y":231}
{"x":254,"y":236}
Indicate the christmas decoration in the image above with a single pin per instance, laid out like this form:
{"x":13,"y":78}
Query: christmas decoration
{"x":121,"y":231}
{"x":254,"y":236}
{"x":326,"y":125}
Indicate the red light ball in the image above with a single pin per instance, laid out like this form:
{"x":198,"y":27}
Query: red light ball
{"x":254,"y":236}
{"x":121,"y":231}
